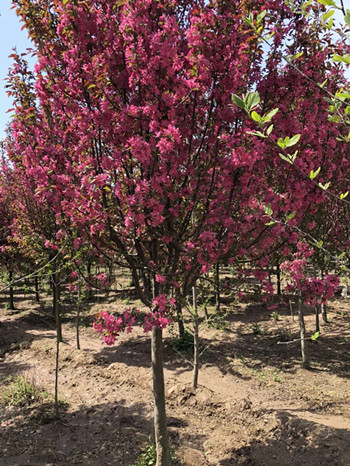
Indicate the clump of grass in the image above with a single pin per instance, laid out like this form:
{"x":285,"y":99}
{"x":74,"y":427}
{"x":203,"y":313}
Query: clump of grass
{"x":183,"y":343}
{"x":148,"y":457}
{"x":21,"y":392}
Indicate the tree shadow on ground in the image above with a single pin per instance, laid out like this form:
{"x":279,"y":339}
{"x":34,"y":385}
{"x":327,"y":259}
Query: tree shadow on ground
{"x":19,"y":332}
{"x":256,"y":346}
{"x":294,"y":441}
{"x":109,"y":434}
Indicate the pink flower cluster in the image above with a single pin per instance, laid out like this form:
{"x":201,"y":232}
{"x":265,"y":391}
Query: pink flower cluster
{"x":110,"y":326}
{"x":315,"y":290}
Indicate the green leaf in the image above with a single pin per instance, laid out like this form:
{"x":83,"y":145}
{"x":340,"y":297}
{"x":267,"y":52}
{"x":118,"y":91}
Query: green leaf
{"x":270,"y":223}
{"x":294,"y":140}
{"x":291,"y":216}
{"x":343,"y":95}
{"x":287,"y":159}
{"x":268,"y":210}
{"x":341,"y":255}
{"x":256,"y":117}
{"x":281,"y":143}
{"x":238,"y":101}
{"x":327,"y":2}
{"x":65,"y":2}
{"x":269,"y":129}
{"x":268,"y":117}
{"x":347,"y":18}
{"x":313,"y":174}
{"x":294,"y":156}
{"x":251,"y":100}
{"x":315,"y":336}
{"x":261,"y":16}
{"x":91,"y":86}
{"x":342,"y":58}
{"x":298,"y":55}
{"x":327,"y":15}
{"x":324,"y":186}
{"x":257,"y":133}
{"x":344,"y":195}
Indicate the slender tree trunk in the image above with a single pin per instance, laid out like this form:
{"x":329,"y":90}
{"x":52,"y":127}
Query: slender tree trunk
{"x":88,"y":270}
{"x":160,"y":424}
{"x":217,"y":288}
{"x":56,"y":306}
{"x":195,"y":340}
{"x":317,"y":318}
{"x":77,"y":323}
{"x":323,"y":306}
{"x":180,"y":320}
{"x":303,"y":341}
{"x":278,"y":276}
{"x":291,"y":309}
{"x":58,"y":340}
{"x":206,"y":315}
{"x":12,"y":300}
{"x":37,"y":297}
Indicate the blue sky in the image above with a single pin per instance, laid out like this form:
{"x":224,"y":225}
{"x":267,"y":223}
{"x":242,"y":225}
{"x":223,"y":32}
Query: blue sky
{"x":10,"y":36}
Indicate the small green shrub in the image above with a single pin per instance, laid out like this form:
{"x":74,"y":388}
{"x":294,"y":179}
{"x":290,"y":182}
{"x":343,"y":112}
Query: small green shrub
{"x":148,"y":457}
{"x":22,"y":393}
{"x":183,"y":343}
{"x":256,"y":329}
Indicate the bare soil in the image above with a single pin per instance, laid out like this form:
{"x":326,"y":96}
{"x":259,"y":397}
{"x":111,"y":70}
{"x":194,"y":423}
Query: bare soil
{"x":255,"y":404}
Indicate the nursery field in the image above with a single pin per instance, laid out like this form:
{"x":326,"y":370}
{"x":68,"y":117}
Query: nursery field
{"x":255,"y":404}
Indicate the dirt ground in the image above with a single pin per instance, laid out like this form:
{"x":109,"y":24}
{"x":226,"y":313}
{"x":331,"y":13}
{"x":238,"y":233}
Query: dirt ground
{"x":255,"y":405}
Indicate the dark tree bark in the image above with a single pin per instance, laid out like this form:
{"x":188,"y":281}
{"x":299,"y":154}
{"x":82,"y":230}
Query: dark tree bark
{"x":160,"y":423}
{"x":303,"y":341}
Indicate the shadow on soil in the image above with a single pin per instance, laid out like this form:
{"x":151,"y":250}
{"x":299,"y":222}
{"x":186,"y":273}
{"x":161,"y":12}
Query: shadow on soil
{"x":294,"y":441}
{"x":108,"y":434}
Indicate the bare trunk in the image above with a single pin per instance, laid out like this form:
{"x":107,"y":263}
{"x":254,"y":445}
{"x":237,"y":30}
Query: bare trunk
{"x":180,"y":320}
{"x":278,"y":276}
{"x":12,"y":301}
{"x":77,"y":324}
{"x":58,"y":340}
{"x":160,"y":427}
{"x":217,"y":288}
{"x":291,"y":309}
{"x":56,"y":305}
{"x":324,"y":313}
{"x":206,"y":315}
{"x":195,"y":339}
{"x":303,"y":341}
{"x":317,"y":318}
{"x":37,"y":297}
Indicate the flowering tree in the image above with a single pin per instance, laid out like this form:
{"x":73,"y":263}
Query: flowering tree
{"x":127,"y":131}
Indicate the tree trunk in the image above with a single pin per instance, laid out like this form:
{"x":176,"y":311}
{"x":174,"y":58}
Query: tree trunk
{"x":324,"y":313}
{"x":77,"y":323}
{"x":56,"y":305}
{"x":206,"y":315}
{"x":303,"y":341}
{"x":58,"y":340}
{"x":160,"y":427}
{"x":12,"y":301}
{"x":195,"y":340}
{"x":317,"y":318}
{"x":180,"y":320}
{"x":217,"y":288}
{"x":37,"y":297}
{"x":278,"y":276}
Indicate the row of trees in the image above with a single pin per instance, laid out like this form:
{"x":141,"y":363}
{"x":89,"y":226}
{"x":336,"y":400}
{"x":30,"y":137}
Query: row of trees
{"x":170,"y":136}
